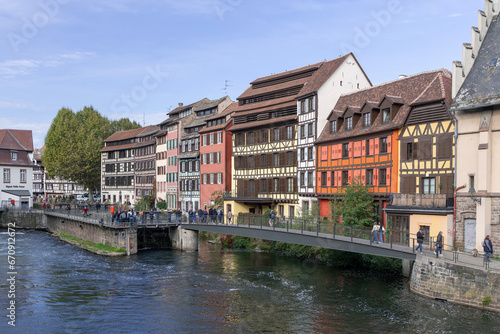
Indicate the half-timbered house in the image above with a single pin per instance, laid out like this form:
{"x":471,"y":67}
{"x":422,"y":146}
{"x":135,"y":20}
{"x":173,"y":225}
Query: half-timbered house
{"x":314,"y":102}
{"x":145,"y":162}
{"x":360,"y":140}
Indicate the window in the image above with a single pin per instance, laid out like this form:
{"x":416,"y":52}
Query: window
{"x":348,"y":123}
{"x":386,"y":115}
{"x":276,"y":187}
{"x":310,"y":153}
{"x":333,"y":126}
{"x":303,"y":106}
{"x":252,"y":186}
{"x":302,"y":154}
{"x":429,"y":185}
{"x":212,"y":176}
{"x":310,"y":177}
{"x":290,"y":185}
{"x":276,"y":134}
{"x":310,"y":129}
{"x":204,"y":140}
{"x":251,"y":161}
{"x":196,"y":143}
{"x":369,"y":177}
{"x":366,"y":119}
{"x":250,"y":140}
{"x":425,"y":149}
{"x":263,"y":185}
{"x":302,"y":179}
{"x":383,"y":145}
{"x":211,"y":138}
{"x":219,"y":137}
{"x":276,"y":159}
{"x":204,"y":178}
{"x":211,"y":158}
{"x":13,"y":156}
{"x":219,"y":157}
{"x":345,"y":150}
{"x":382,"y":177}
{"x":302,"y":131}
{"x":409,"y":151}
{"x":263,"y":160}
{"x":471,"y":183}
{"x":6,"y":175}
{"x":239,"y":139}
{"x":263,"y":136}
{"x":345,"y":178}
{"x":323,"y":179}
{"x":311,"y":103}
{"x":289,"y":158}
{"x":289,"y":134}
{"x":219,"y":178}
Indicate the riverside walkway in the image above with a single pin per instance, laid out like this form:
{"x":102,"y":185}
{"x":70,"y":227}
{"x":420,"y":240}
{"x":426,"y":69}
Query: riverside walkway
{"x":326,"y":235}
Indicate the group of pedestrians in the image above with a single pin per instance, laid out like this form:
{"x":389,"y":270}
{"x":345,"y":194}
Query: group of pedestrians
{"x":378,"y":231}
{"x":213,"y":215}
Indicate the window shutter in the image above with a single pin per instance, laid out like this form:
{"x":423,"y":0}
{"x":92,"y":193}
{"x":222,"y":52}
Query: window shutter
{"x":282,"y":187}
{"x":363,"y":148}
{"x":329,"y":179}
{"x":415,"y":150}
{"x":339,"y":178}
{"x":363,"y":176}
{"x":269,"y":185}
{"x":313,"y":102}
{"x":349,"y":176}
{"x":319,"y":179}
{"x":357,"y":174}
{"x":389,"y":142}
{"x":294,"y":162}
{"x":324,"y":153}
{"x":375,"y":177}
{"x":351,"y":144}
{"x":388,"y":177}
{"x":377,"y":145}
{"x":306,"y":105}
{"x":282,"y":158}
{"x":269,"y":160}
{"x":282,"y":132}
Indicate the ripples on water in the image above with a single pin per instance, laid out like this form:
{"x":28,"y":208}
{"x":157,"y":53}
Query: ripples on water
{"x":63,"y":289}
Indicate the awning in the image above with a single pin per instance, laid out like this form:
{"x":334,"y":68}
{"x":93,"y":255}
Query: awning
{"x":18,"y":193}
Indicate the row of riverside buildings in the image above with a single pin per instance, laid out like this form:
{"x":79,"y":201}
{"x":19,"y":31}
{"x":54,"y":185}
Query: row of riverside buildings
{"x":292,"y":141}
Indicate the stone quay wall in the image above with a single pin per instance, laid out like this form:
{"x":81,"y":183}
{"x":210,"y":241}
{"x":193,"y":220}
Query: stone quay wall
{"x":125,"y":238}
{"x":438,"y":279}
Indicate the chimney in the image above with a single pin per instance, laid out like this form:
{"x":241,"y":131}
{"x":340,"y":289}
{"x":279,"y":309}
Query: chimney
{"x":181,"y":104}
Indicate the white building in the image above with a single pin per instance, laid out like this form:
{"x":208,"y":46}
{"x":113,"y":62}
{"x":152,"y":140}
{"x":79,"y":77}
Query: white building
{"x":16,"y":163}
{"x":315,"y":101}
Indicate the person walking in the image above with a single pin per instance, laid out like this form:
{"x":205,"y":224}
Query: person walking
{"x":229,"y":217}
{"x":375,"y":230}
{"x":420,"y":239}
{"x":439,"y":244}
{"x":487,"y":247}
{"x":271,"y":218}
{"x":381,"y":232}
{"x":220,"y":215}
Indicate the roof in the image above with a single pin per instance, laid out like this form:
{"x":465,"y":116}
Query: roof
{"x":209,"y":104}
{"x":21,"y":140}
{"x":181,"y":108}
{"x":149,"y":130}
{"x":122,"y":135}
{"x":270,"y":121}
{"x":228,"y":111}
{"x":422,"y":88}
{"x":279,"y":92}
{"x":481,"y":87}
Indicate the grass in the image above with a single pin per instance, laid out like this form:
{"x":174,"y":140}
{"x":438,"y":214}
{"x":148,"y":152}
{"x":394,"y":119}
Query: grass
{"x":91,"y":246}
{"x":486,"y":301}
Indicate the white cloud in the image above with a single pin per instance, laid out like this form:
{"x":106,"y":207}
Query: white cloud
{"x":13,"y":105}
{"x":14,"y":68}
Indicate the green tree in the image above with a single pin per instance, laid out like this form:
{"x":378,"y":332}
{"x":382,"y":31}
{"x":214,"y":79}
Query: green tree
{"x":218,"y":198}
{"x":73,"y":144}
{"x":357,"y":206}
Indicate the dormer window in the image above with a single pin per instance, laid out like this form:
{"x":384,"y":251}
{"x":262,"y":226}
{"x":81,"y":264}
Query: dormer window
{"x":333,"y":126}
{"x":366,"y":119}
{"x":386,"y":115}
{"x":348,"y":123}
{"x":13,"y":156}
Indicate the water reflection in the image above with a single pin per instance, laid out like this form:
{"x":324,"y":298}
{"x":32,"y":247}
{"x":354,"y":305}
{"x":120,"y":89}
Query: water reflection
{"x":63,"y":289}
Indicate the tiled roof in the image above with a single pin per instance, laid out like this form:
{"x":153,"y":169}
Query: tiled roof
{"x":209,"y":104}
{"x":216,"y":127}
{"x":252,"y":92}
{"x":481,"y":88}
{"x":267,"y":122}
{"x":420,"y":88}
{"x":122,"y":135}
{"x":286,"y":73}
{"x":228,"y":111}
{"x":149,"y":130}
{"x":192,"y":105}
{"x":16,"y":140}
{"x":118,"y":147}
{"x":266,"y":107}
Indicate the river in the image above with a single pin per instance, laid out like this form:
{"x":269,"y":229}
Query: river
{"x":62,"y":289}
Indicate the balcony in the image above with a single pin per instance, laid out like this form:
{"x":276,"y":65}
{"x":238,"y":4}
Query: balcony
{"x":422,"y":200}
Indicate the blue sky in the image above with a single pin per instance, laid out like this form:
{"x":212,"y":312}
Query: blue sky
{"x":139,"y":59}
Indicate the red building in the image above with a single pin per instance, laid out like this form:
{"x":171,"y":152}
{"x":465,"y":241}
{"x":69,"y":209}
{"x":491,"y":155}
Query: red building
{"x":215,"y":152}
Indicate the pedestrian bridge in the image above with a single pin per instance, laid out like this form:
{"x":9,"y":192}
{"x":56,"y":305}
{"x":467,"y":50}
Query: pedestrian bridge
{"x":331,"y":236}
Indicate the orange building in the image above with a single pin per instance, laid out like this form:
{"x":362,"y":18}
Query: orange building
{"x":361,"y":139}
